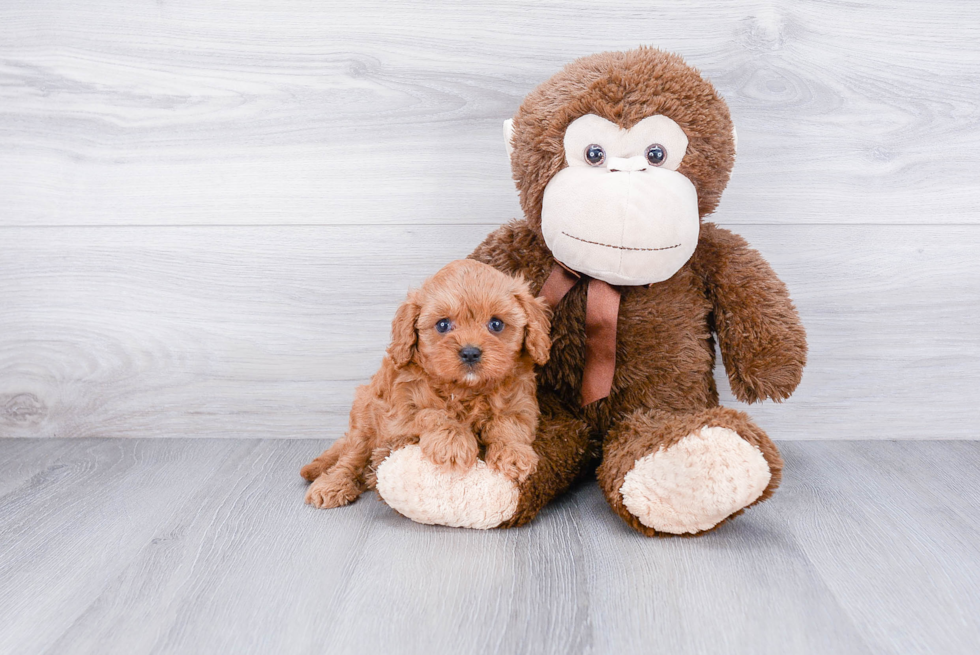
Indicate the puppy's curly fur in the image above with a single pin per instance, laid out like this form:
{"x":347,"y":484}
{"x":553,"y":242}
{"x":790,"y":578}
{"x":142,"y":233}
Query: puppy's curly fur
{"x":426,"y":393}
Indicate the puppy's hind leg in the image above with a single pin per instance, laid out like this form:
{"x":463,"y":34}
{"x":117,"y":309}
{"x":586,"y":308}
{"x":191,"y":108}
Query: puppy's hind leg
{"x":344,"y":482}
{"x":361,"y":429}
{"x":325,"y":461}
{"x":332,"y":490}
{"x":344,"y":479}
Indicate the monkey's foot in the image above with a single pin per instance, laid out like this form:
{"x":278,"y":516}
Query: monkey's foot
{"x":696,"y":483}
{"x":413,"y":486}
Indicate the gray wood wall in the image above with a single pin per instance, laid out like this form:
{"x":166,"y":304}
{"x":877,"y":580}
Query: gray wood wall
{"x":209,"y":211}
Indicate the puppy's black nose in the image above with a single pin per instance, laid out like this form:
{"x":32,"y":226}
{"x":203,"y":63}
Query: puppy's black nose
{"x":470,"y":354}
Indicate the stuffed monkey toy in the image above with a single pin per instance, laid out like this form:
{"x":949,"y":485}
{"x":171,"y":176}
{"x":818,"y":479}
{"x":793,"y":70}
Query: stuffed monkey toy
{"x":617,"y":159}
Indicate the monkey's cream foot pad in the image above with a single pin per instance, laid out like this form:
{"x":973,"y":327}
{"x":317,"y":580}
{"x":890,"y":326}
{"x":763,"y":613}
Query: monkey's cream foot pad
{"x":695,"y":484}
{"x":415,"y":487}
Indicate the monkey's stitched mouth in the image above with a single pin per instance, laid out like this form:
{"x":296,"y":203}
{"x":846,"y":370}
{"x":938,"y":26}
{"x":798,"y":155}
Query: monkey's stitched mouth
{"x":596,"y":243}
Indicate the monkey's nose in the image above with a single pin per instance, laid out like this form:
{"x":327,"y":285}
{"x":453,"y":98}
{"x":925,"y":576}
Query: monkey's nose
{"x":470,"y":354}
{"x":637,"y":163}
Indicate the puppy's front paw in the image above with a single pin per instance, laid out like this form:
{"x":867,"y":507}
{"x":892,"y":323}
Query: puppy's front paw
{"x":329,"y":491}
{"x":516,"y":461}
{"x":450,"y":450}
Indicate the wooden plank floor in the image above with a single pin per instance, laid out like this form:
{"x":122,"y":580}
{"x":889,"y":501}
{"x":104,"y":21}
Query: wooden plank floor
{"x":205,"y":546}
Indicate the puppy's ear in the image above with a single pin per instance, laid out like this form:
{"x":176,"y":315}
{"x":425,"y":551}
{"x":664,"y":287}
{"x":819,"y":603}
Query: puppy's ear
{"x":403,"y":334}
{"x":537,"y":341}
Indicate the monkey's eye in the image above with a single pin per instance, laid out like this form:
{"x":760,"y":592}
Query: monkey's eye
{"x":495,"y":325}
{"x":595,"y":155}
{"x":656,"y":154}
{"x":443,"y":325}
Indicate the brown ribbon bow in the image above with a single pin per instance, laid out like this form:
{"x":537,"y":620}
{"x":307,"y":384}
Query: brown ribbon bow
{"x":601,"y":314}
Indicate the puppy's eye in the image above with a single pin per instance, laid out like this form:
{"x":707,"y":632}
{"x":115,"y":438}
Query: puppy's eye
{"x":495,"y":325}
{"x":443,"y":325}
{"x":656,"y":154}
{"x":595,"y":155}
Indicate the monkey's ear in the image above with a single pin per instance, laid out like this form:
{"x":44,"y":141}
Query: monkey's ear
{"x":734,"y":140}
{"x":508,"y":135}
{"x":403,"y":334}
{"x":537,"y":341}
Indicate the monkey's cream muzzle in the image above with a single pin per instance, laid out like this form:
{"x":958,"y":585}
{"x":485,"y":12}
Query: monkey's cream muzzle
{"x":623,"y":227}
{"x":624,"y":221}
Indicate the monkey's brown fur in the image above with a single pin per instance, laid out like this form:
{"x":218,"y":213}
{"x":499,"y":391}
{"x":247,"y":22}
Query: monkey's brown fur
{"x":663,"y":387}
{"x":424,"y":393}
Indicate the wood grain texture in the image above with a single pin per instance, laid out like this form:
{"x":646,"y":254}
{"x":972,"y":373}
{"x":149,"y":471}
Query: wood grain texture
{"x":885,"y":511}
{"x":122,"y":113}
{"x":208,"y":211}
{"x":262,"y":332}
{"x":204,"y":546}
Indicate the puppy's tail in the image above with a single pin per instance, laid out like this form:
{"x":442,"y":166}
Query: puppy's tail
{"x":324,"y":462}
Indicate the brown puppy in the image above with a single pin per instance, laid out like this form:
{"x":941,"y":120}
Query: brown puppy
{"x":458,"y":375}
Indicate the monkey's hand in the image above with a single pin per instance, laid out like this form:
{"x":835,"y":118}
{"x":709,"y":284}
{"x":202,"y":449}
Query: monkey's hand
{"x":763,"y":343}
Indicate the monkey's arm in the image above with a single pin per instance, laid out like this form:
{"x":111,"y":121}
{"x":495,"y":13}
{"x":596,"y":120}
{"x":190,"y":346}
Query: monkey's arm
{"x":763,"y":344}
{"x":516,"y":248}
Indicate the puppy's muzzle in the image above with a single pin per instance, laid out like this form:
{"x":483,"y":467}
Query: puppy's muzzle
{"x":470,"y":355}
